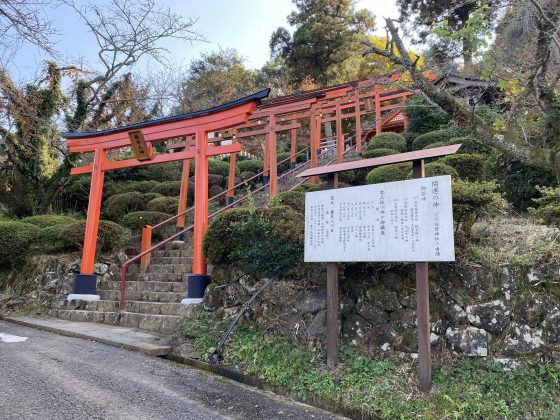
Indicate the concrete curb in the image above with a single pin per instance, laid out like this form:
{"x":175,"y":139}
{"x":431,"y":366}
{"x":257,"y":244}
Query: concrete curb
{"x":146,"y":348}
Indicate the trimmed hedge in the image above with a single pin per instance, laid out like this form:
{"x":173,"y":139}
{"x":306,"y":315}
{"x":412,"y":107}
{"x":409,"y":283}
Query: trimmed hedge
{"x":47,"y":220}
{"x":261,"y":241}
{"x":138,"y":219}
{"x":51,"y":239}
{"x":16,"y":240}
{"x":117,"y":206}
{"x":373,"y":153}
{"x":170,"y":171}
{"x":171,"y":188}
{"x":293,"y":199}
{"x":470,"y":145}
{"x":218,"y":180}
{"x":389,"y":173}
{"x":437,"y":144}
{"x":215,"y":190}
{"x":110,"y":235}
{"x":388,"y":140}
{"x":150,"y":196}
{"x":218,"y":167}
{"x":438,"y":136}
{"x":121,"y":187}
{"x":437,"y":169}
{"x":471,"y":167}
{"x":168,"y":205}
{"x":250,"y":165}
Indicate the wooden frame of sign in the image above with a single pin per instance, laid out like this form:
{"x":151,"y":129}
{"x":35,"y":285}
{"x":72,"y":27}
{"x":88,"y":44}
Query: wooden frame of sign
{"x":422,"y":286}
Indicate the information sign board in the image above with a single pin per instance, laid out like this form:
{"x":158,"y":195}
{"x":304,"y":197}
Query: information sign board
{"x":404,"y":221}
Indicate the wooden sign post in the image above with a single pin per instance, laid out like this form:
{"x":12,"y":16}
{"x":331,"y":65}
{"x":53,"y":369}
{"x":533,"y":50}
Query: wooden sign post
{"x":406,"y":221}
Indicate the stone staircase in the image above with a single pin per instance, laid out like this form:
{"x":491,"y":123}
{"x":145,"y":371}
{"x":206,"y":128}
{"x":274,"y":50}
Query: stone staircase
{"x":152,"y":298}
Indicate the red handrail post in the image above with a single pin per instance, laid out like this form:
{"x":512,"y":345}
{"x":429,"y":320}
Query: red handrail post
{"x":146,"y":244}
{"x":200,"y":201}
{"x":339,"y":135}
{"x":313,"y":141}
{"x":358,"y":124}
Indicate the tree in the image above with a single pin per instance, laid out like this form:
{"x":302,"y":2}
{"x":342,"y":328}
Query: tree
{"x":24,"y":21}
{"x":215,"y":78}
{"x":326,"y":41}
{"x":454,"y":23}
{"x":509,"y":132}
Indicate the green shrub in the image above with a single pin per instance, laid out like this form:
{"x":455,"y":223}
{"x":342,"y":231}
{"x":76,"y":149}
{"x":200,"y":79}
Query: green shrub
{"x":284,"y":166}
{"x":439,"y":136}
{"x":74,"y":195}
{"x":388,"y":140}
{"x":218,"y":180}
{"x":473,"y":200}
{"x":263,"y":241}
{"x":307,"y":187}
{"x":373,"y":153}
{"x":423,"y":117}
{"x":138,"y":219}
{"x":16,"y":238}
{"x":437,"y":169}
{"x":250,"y":165}
{"x":218,"y":167}
{"x":518,"y":181}
{"x":51,"y":239}
{"x":110,"y":236}
{"x":248,"y":175}
{"x":168,"y":205}
{"x":470,"y":145}
{"x":433,"y":145}
{"x":214,"y":191}
{"x":389,"y":173}
{"x":121,"y":187}
{"x":171,"y":188}
{"x":471,"y":167}
{"x":548,"y":206}
{"x":293,"y":199}
{"x":150,"y":196}
{"x":46,"y":220}
{"x":358,"y":176}
{"x":170,"y":171}
{"x":117,"y":206}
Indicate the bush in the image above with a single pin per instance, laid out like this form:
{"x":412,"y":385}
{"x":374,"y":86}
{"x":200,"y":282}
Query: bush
{"x":214,"y":191}
{"x":358,"y":176}
{"x":138,"y":219}
{"x":439,"y":136}
{"x":437,"y":144}
{"x":470,"y":145}
{"x":285,"y":166}
{"x":171,"y":188}
{"x":473,"y":200}
{"x":170,"y":171}
{"x":74,"y":195}
{"x":548,"y":206}
{"x":51,"y":239}
{"x":471,"y":167}
{"x":262,"y":241}
{"x":250,"y":165}
{"x":117,"y":206}
{"x":373,"y":153}
{"x":307,"y":187}
{"x":438,"y":169}
{"x":518,"y":181}
{"x":218,"y":167}
{"x":110,"y":236}
{"x":388,"y":140}
{"x":248,"y":175}
{"x":424,"y":117}
{"x":216,"y":180}
{"x":150,"y":196}
{"x":47,"y":220}
{"x":16,"y":240}
{"x":121,"y":187}
{"x":389,"y":173}
{"x":293,"y":199}
{"x":168,"y":205}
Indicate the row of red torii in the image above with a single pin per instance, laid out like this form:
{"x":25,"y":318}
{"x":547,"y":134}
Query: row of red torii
{"x":206,"y":130}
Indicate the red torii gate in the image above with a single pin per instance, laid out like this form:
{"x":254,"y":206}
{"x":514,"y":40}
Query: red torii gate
{"x":141,"y":136}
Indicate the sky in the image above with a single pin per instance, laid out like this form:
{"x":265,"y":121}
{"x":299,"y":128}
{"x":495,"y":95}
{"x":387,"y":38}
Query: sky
{"x":245,"y":25}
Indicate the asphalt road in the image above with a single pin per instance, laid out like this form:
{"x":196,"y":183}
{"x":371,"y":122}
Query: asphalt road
{"x":48,"y":376}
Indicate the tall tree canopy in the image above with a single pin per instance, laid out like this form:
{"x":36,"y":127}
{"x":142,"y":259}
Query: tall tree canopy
{"x":326,"y":42}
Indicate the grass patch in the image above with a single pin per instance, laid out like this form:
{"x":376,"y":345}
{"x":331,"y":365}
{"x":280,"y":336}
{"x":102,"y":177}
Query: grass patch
{"x":467,"y":388}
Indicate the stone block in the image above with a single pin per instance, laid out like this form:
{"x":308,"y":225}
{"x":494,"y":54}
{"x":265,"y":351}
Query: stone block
{"x":491,"y":316}
{"x":469,"y":341}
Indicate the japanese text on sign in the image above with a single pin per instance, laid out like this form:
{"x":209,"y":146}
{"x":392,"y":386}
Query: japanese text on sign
{"x":395,"y":221}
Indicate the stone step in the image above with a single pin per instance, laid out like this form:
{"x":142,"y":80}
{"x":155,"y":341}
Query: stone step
{"x":170,"y":268}
{"x":150,"y":322}
{"x":148,"y":286}
{"x":141,"y":307}
{"x":171,"y":260}
{"x":143,"y":296}
{"x":160,"y":277}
